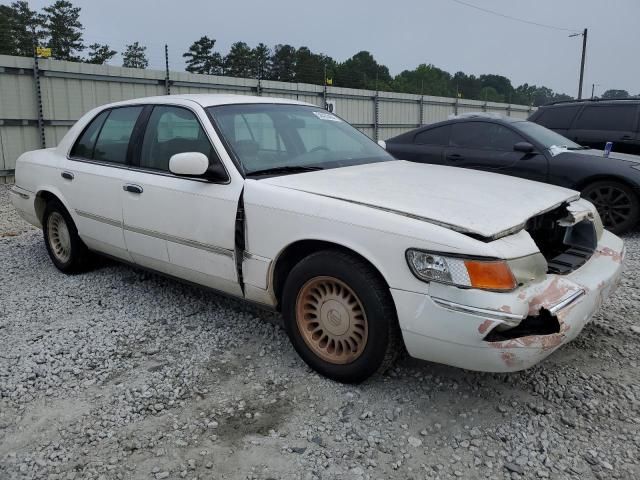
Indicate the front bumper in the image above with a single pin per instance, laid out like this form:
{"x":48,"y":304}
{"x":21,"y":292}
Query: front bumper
{"x":449,"y":325}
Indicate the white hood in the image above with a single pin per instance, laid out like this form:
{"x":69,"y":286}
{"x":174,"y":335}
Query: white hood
{"x":470,"y":201}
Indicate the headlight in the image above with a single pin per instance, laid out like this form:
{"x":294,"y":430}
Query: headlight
{"x":461,"y":272}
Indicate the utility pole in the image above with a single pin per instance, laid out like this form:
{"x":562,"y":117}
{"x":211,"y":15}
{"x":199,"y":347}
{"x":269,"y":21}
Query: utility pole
{"x":584,"y":55}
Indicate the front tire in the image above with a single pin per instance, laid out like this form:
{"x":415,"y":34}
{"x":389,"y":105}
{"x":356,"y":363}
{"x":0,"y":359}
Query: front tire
{"x":340,"y":316}
{"x":617,"y":204}
{"x":66,"y":250}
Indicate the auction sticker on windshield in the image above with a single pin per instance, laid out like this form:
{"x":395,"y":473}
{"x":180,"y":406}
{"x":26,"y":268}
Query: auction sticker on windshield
{"x":326,"y":116}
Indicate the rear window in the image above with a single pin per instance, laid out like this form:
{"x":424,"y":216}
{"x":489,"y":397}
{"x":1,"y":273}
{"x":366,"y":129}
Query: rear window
{"x":557,"y":117}
{"x":106,"y":138}
{"x":607,"y":117}
{"x":433,"y":136}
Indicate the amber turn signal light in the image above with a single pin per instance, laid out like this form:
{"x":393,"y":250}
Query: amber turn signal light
{"x":492,"y":275}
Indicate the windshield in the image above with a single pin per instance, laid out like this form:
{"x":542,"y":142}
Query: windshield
{"x":279,"y":138}
{"x":548,"y":138}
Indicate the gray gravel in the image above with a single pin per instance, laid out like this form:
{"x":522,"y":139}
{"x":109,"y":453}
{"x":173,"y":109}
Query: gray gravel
{"x":121,"y":374}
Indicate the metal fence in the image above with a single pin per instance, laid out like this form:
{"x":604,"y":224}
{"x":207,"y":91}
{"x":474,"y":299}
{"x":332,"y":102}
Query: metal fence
{"x":39,"y":103}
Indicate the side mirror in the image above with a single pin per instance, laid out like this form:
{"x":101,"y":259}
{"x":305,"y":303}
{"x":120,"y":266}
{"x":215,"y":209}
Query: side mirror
{"x":383,"y":144}
{"x":192,"y":164}
{"x":524,"y":147}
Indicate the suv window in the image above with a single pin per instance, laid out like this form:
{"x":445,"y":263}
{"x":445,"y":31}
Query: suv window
{"x":607,"y":117}
{"x":113,"y":139}
{"x":433,"y":136}
{"x":172,"y":130}
{"x":482,"y":135}
{"x":83,"y":147}
{"x":557,"y":117}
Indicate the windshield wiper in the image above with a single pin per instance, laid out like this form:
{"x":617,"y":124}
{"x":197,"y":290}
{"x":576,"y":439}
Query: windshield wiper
{"x":578,"y":148}
{"x":285,"y":169}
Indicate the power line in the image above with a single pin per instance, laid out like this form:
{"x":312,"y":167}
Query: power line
{"x":509,"y":17}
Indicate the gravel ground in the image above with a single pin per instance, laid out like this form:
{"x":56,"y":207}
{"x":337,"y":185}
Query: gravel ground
{"x":121,"y":374}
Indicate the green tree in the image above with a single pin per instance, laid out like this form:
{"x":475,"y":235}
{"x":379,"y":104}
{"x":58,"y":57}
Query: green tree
{"x":239,"y":61}
{"x":262,"y":61}
{"x":202,"y":58}
{"x":100,"y":54}
{"x":362,"y":71}
{"x":500,"y":84}
{"x":64,"y":30}
{"x":7,"y":42}
{"x":26,"y":29}
{"x":309,"y":66}
{"x":283,"y":63}
{"x":425,"y":79}
{"x":609,"y":94}
{"x":135,"y":56}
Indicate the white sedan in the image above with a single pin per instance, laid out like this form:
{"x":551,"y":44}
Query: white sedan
{"x":286,"y":205}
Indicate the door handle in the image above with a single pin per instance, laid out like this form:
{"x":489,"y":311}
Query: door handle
{"x":132,"y":188}
{"x":67,"y":175}
{"x":455,"y":157}
{"x":626,"y":137}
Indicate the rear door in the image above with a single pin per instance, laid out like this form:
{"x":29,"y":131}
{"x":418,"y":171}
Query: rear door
{"x":598,"y":124}
{"x":93,"y":176}
{"x":425,"y":146}
{"x":181,"y":226}
{"x":490,"y":146}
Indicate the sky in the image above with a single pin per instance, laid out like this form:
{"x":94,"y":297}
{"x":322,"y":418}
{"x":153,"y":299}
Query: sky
{"x":400,"y":34}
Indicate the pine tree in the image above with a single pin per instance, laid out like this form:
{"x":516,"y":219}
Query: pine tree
{"x":283,"y":63}
{"x":64,"y":30}
{"x":7,"y":42}
{"x":239,"y":61}
{"x":202,"y":58}
{"x":100,"y":54}
{"x":135,"y":56}
{"x":26,"y":29}
{"x":262,"y":61}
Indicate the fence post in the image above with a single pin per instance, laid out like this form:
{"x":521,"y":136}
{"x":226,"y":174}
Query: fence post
{"x":167,"y":85}
{"x":421,"y":110}
{"x":324,"y":87}
{"x":376,"y":111}
{"x":455,"y":106}
{"x":36,"y":81}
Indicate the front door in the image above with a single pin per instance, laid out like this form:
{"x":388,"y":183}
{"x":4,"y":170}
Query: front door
{"x":490,"y":147}
{"x":184,"y":227}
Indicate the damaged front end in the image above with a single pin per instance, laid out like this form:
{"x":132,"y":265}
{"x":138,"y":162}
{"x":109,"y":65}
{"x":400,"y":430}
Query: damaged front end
{"x":568,"y":238}
{"x":577,"y":265}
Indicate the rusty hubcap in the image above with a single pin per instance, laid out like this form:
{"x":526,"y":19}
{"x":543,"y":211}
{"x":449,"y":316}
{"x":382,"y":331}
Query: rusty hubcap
{"x":331,"y":319}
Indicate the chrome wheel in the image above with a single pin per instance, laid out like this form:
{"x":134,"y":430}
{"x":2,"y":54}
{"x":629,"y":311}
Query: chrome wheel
{"x":58,"y":237}
{"x":331,"y":320}
{"x":614,"y":204}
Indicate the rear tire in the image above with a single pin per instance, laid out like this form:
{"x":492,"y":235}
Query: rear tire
{"x":340,"y":316}
{"x":616,"y":202}
{"x":67,"y":251}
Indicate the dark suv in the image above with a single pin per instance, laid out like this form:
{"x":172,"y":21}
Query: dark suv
{"x":595,"y":122}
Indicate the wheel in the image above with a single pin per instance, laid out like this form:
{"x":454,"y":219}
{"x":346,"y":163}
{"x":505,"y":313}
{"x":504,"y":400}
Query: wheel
{"x":67,"y":251}
{"x":617,"y":204}
{"x":340,"y":316}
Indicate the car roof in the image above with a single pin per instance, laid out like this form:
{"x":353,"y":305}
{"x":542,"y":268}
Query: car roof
{"x":209,"y":100}
{"x":595,"y":101}
{"x":462,"y":119}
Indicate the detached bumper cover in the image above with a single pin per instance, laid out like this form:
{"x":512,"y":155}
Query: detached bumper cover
{"x":450,"y":325}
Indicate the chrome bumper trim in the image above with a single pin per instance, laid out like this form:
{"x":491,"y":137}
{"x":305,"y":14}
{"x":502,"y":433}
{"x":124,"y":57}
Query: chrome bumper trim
{"x":505,"y":317}
{"x":17,"y":191}
{"x":566,"y":301}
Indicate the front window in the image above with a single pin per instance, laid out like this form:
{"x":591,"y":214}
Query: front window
{"x":277,"y":138}
{"x":545,"y":137}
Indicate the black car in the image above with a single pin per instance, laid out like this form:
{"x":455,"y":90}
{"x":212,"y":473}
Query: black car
{"x":524,"y":149}
{"x":595,"y":122}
